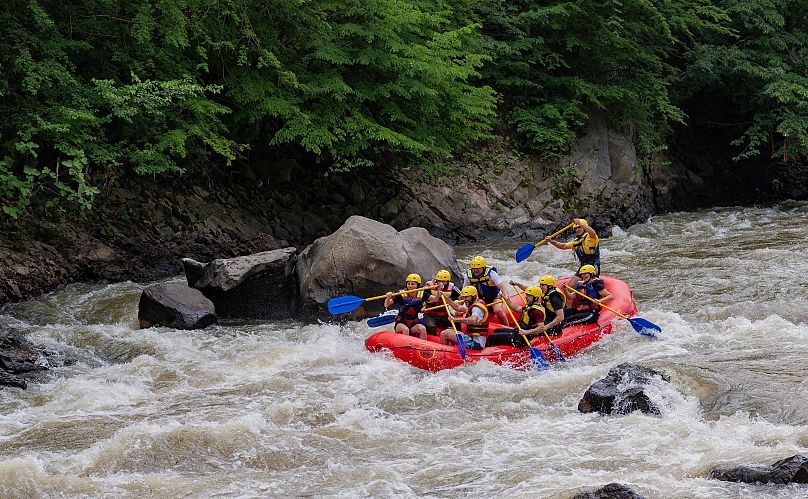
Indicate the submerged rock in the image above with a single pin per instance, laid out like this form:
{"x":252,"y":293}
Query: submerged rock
{"x":259,"y":286}
{"x":622,"y":391}
{"x":175,"y":305}
{"x":368,"y":258}
{"x":793,"y":469}
{"x":17,"y":356}
{"x":610,"y":491}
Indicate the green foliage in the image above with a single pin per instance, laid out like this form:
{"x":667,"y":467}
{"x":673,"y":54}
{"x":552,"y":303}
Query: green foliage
{"x":755,"y":79}
{"x":557,"y":62}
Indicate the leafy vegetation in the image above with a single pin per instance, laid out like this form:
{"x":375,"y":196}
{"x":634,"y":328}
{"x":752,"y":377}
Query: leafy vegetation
{"x":94,"y":89}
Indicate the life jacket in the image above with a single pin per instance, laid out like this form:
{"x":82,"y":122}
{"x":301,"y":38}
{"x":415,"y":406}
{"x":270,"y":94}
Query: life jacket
{"x":589,"y":291}
{"x":485,"y":286}
{"x":580,"y":251}
{"x":549,"y":311}
{"x":441,"y":312}
{"x":524,"y":319}
{"x":409,"y":309}
{"x":482,"y":326}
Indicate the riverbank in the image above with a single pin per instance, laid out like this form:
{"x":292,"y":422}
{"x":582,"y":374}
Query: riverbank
{"x":141,"y":227}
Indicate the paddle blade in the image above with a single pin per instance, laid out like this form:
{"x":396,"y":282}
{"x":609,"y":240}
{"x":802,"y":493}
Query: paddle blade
{"x":537,"y":359}
{"x":557,"y":352}
{"x":461,"y":346}
{"x":343,"y":304}
{"x":524,"y":252}
{"x":382,"y":320}
{"x":644,"y":327}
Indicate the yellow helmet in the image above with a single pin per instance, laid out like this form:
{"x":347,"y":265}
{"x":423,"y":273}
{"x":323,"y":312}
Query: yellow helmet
{"x":582,"y":224}
{"x":477,"y":262}
{"x":468,"y":291}
{"x":443,"y":275}
{"x":534,"y":291}
{"x":587,"y":269}
{"x":413,"y":278}
{"x":547,"y":279}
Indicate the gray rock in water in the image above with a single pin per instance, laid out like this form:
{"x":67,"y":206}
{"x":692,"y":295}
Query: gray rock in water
{"x":610,"y":491}
{"x":259,"y":286}
{"x":175,"y":305}
{"x":622,"y":391}
{"x":793,"y":469}
{"x":368,"y":258}
{"x":17,"y":356}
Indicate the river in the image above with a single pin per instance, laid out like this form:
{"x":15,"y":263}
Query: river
{"x":286,"y":409}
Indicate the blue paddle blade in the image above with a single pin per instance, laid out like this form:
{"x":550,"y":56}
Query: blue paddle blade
{"x":461,"y":346}
{"x":557,"y":352}
{"x":343,"y":304}
{"x":382,"y":320}
{"x":644,"y":327}
{"x":537,"y":359}
{"x":524,"y":252}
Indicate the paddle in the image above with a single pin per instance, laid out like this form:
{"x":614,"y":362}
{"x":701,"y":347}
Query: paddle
{"x":525,"y":251}
{"x":461,"y":343}
{"x":642,"y":326}
{"x":389,"y":318}
{"x":343,"y":304}
{"x":556,"y":350}
{"x":536,"y":357}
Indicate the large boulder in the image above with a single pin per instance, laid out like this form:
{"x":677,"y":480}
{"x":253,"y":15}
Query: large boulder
{"x":174,"y":304}
{"x":610,"y":491}
{"x":367,"y":258}
{"x":259,"y":286}
{"x":622,"y":391}
{"x":792,"y":469}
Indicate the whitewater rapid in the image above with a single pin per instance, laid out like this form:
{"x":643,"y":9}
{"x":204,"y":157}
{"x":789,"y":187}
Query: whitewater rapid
{"x":293,"y":410}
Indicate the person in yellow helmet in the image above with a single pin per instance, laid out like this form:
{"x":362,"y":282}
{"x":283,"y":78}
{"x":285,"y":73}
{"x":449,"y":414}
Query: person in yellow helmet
{"x":475,"y":319}
{"x":586,"y":246}
{"x":438,"y":318}
{"x":553,"y":301}
{"x":409,"y":305}
{"x":489,"y":285}
{"x":530,"y":321}
{"x":586,"y":311}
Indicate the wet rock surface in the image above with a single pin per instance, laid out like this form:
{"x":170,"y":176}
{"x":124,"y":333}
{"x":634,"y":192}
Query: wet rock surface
{"x":175,"y":305}
{"x":792,"y":469}
{"x":368,"y":258}
{"x":622,"y":391}
{"x":610,"y":491}
{"x":262,"y":285}
{"x":17,"y":357}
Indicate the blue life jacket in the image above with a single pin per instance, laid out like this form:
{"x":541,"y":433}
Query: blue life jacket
{"x":486,"y":289}
{"x":410,"y":307}
{"x":589,"y":290}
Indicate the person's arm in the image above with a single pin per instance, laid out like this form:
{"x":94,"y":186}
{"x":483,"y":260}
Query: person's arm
{"x":558,"y":244}
{"x":388,"y":300}
{"x":603,"y":293}
{"x":513,"y":306}
{"x":497,"y":280}
{"x":466,"y":281}
{"x":536,"y":316}
{"x":474,"y":317}
{"x":589,"y":230}
{"x":517,"y":284}
{"x":558,"y":305}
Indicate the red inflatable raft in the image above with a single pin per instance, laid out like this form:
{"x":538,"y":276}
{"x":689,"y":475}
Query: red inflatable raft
{"x":431,"y":355}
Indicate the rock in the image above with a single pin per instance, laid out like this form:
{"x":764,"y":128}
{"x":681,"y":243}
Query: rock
{"x":793,"y":469}
{"x":258,"y":286}
{"x":610,"y":491}
{"x":368,"y":258}
{"x":17,"y":356}
{"x":621,"y":391}
{"x":175,"y":305}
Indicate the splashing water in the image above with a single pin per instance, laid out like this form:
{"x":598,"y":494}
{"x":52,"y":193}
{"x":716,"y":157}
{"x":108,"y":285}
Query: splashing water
{"x":286,"y":409}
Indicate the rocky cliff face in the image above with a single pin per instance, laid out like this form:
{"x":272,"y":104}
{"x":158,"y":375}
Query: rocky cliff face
{"x":141,"y":228}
